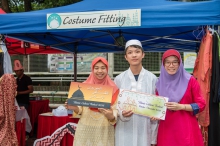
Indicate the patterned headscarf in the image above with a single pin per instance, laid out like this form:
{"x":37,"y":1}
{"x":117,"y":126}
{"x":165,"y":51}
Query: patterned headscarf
{"x":7,"y":110}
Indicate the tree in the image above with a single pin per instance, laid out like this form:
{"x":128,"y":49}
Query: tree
{"x":16,"y":5}
{"x":189,"y":0}
{"x":29,"y":5}
{"x":44,"y":4}
{"x":5,"y":6}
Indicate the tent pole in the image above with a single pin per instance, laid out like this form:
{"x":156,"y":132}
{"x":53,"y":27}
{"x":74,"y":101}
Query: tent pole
{"x":75,"y":62}
{"x":219,"y":29}
{"x":75,"y":67}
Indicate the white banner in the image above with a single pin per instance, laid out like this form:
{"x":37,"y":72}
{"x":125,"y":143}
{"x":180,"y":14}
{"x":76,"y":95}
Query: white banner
{"x":94,"y":19}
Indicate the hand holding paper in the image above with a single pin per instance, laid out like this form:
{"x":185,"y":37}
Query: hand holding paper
{"x":90,"y":95}
{"x":174,"y":106}
{"x":142,"y":104}
{"x":127,"y":113}
{"x":108,"y":113}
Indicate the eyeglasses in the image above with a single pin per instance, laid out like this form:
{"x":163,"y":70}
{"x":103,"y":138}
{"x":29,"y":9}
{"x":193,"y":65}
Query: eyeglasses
{"x":175,"y":63}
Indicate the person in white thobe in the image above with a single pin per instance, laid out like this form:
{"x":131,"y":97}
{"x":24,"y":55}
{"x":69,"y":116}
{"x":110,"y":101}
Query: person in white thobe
{"x":132,"y":129}
{"x":7,"y":59}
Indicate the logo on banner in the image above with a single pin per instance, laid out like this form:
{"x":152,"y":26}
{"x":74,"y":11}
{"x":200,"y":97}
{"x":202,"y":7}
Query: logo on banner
{"x":29,"y":45}
{"x":54,"y":21}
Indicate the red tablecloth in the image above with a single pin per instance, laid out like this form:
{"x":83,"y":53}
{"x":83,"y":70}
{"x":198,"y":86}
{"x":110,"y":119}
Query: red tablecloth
{"x":20,"y":132}
{"x":48,"y":124}
{"x":37,"y":107}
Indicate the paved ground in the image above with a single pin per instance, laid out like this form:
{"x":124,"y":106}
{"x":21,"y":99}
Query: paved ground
{"x":30,"y":141}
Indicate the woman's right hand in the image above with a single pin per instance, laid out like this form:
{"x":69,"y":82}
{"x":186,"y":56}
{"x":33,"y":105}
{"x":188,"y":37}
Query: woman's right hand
{"x":174,"y":106}
{"x":154,"y":119}
{"x":71,"y":107}
{"x":127,"y":113}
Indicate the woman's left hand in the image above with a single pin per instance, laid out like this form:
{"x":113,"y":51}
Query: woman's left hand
{"x":107,"y":112}
{"x":174,"y":106}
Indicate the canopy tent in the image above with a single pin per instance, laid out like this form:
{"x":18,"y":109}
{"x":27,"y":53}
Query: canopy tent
{"x":1,"y":11}
{"x":164,"y":24}
{"x":17,"y":47}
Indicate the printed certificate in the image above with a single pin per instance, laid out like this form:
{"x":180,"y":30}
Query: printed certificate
{"x":90,"y":95}
{"x":142,"y":103}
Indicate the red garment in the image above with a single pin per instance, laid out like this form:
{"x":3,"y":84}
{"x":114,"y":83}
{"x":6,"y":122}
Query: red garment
{"x":171,"y":52}
{"x":7,"y":111}
{"x":105,"y":81}
{"x":180,"y":128}
{"x":202,"y":72}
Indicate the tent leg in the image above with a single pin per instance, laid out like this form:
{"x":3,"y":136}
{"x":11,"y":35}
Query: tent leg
{"x":75,"y":67}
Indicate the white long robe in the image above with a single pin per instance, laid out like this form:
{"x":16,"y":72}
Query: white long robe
{"x":7,"y":59}
{"x":136,"y":130}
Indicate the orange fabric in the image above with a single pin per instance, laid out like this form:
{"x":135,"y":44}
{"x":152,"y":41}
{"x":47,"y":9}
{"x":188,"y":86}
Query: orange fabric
{"x":204,"y":131}
{"x":202,"y":72}
{"x":105,"y":81}
{"x":7,"y":111}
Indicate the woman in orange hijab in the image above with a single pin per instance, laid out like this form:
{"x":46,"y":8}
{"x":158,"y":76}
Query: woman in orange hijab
{"x":96,"y":126}
{"x":8,"y":89}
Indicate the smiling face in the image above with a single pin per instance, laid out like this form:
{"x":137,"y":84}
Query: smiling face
{"x":171,"y":64}
{"x":134,"y":55}
{"x":100,"y":70}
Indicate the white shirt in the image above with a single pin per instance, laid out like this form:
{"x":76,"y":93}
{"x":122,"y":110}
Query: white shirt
{"x":136,"y":130}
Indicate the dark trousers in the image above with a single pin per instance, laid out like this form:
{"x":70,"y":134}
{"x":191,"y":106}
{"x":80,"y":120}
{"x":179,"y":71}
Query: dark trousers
{"x":23,"y":104}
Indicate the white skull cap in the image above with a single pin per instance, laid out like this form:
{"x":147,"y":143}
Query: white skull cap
{"x":133,"y":42}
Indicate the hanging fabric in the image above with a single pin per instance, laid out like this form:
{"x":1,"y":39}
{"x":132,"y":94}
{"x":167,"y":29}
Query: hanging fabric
{"x":1,"y":61}
{"x":6,"y":60}
{"x":215,"y":70}
{"x":219,"y":67}
{"x":214,"y":126}
{"x":202,"y":72}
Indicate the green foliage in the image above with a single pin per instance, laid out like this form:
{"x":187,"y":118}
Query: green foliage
{"x":52,"y":3}
{"x":189,"y":0}
{"x":18,"y":5}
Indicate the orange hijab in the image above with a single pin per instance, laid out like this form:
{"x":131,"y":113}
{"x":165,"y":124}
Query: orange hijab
{"x":105,"y":81}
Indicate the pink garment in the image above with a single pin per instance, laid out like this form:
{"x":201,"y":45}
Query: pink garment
{"x":181,"y":128}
